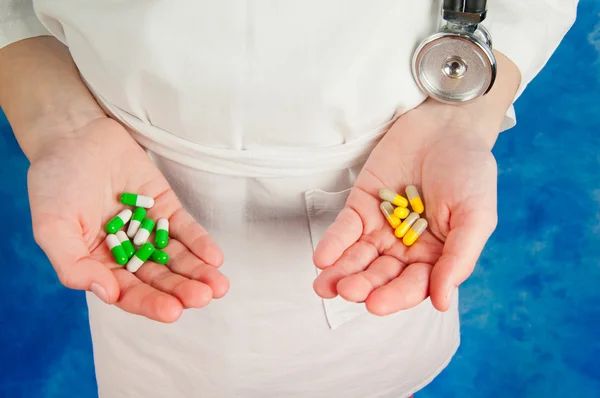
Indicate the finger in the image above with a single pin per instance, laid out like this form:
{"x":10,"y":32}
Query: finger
{"x":355,"y":259}
{"x":62,"y":241}
{"x":357,"y":287}
{"x":187,"y":230}
{"x":427,"y":250}
{"x":185,"y":263}
{"x":462,"y":248}
{"x":139,"y":298}
{"x":183,"y":227}
{"x":191,"y":293}
{"x":345,"y":230}
{"x":406,"y":291}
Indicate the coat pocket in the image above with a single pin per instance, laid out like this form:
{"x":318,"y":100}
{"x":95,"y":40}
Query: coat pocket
{"x":322,"y":209}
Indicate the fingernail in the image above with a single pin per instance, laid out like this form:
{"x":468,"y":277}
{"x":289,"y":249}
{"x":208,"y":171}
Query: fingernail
{"x":99,"y":291}
{"x":450,"y":293}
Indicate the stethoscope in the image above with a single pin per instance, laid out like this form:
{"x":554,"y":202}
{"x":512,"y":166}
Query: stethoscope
{"x":456,"y":65}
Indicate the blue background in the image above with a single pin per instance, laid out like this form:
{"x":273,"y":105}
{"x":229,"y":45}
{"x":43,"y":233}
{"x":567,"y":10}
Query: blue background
{"x":530,"y":313}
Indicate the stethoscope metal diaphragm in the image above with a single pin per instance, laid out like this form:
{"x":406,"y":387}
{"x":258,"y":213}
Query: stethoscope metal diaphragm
{"x":455,"y":66}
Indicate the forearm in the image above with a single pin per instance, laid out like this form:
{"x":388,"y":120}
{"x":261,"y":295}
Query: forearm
{"x":482,"y":118}
{"x":42,"y":94}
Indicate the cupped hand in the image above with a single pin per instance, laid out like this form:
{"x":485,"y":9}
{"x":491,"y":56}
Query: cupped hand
{"x":74,"y":186}
{"x":456,"y":174}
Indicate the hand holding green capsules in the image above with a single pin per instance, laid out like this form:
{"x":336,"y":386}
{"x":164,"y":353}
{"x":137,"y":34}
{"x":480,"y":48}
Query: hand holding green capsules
{"x":70,"y":210}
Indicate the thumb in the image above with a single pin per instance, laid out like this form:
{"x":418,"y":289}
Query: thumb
{"x":62,"y":241}
{"x":462,"y":249}
{"x":345,"y":230}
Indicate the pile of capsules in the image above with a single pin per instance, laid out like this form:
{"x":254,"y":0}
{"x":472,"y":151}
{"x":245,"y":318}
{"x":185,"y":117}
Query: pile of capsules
{"x":413,"y":225}
{"x":140,"y":228}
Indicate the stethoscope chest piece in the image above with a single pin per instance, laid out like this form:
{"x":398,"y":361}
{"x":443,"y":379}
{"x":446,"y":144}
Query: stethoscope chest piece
{"x":454,"y":66}
{"x":457,"y":65}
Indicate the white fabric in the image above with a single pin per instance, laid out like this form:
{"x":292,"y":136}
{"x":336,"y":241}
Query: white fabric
{"x":260,"y":114}
{"x":529,"y":31}
{"x":18,"y":21}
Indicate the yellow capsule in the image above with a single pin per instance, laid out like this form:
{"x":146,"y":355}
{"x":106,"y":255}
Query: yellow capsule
{"x":415,"y":199}
{"x":415,"y":231}
{"x":393,"y":198}
{"x":388,"y":212}
{"x":406,"y":224}
{"x":401,"y":212}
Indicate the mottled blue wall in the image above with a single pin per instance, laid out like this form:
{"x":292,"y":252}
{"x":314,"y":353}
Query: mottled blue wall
{"x":530,"y":312}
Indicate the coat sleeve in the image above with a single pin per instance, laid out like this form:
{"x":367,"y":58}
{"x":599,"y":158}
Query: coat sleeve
{"x":18,"y":21}
{"x":528,"y":32}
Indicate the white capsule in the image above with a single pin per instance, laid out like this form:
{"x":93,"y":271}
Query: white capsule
{"x":134,"y":264}
{"x":163,"y":224}
{"x":125,"y":215}
{"x":144,"y":201}
{"x":112,"y":241}
{"x":134,"y":225}
{"x":122,"y":236}
{"x":141,"y":237}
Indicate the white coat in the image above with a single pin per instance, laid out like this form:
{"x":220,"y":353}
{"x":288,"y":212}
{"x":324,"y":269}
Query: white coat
{"x":260,"y":113}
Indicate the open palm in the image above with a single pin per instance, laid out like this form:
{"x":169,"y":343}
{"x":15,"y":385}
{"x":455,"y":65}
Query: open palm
{"x":362,"y":259}
{"x":74,"y":188}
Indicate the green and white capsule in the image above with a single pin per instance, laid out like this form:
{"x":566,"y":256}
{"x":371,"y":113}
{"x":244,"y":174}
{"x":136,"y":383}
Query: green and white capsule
{"x":144,"y":232}
{"x":160,"y":257}
{"x":140,"y":257}
{"x":126,"y":243}
{"x":138,"y":216}
{"x":118,"y":221}
{"x":133,"y":199}
{"x":114,"y":245}
{"x":162,"y":233}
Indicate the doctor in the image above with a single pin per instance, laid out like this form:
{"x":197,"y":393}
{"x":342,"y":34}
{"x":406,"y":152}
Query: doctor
{"x":264,"y":129}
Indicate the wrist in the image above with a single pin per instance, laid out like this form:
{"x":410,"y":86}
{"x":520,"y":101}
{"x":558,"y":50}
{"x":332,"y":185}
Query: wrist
{"x":37,"y":137}
{"x":480,"y":120}
{"x":42,"y":93}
